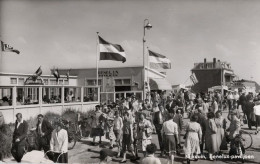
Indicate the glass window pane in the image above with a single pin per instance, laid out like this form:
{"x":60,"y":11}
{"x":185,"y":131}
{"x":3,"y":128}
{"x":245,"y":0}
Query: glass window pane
{"x":13,"y":81}
{"x":126,"y":81}
{"x":27,"y":95}
{"x":72,"y":94}
{"x":118,"y":81}
{"x":90,"y":94}
{"x":6,"y":96}
{"x":51,"y":95}
{"x":21,"y":81}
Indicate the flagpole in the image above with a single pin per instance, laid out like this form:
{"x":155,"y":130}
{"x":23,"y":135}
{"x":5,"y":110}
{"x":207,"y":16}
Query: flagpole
{"x":148,"y":79}
{"x":98,"y":54}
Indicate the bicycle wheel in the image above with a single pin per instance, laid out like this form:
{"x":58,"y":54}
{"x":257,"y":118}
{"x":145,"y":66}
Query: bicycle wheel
{"x":247,"y":139}
{"x":72,"y":141}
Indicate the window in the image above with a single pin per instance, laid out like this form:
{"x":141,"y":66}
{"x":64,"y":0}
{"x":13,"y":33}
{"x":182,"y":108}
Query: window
{"x":6,"y":96}
{"x":119,"y":82}
{"x":53,"y":82}
{"x":66,"y":82}
{"x":92,"y":82}
{"x":51,"y":95}
{"x":46,"y":81}
{"x":21,"y":81}
{"x":90,"y":94}
{"x":27,"y":95}
{"x":13,"y":80}
{"x":72,"y":94}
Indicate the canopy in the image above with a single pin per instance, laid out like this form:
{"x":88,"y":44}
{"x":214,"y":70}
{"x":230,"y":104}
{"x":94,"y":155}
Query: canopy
{"x":160,"y":84}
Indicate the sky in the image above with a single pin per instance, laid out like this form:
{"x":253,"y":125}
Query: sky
{"x":62,"y":33}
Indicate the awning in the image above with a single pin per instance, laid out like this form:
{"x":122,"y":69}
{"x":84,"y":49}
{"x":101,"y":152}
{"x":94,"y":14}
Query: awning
{"x":160,"y":84}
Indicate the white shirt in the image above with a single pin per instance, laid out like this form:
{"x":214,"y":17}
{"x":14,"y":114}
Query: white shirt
{"x":170,"y":127}
{"x":18,"y":123}
{"x":59,"y":141}
{"x":257,"y":110}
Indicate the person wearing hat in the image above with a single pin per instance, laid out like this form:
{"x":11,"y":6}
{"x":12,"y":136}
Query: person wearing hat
{"x":59,"y":143}
{"x":105,"y":156}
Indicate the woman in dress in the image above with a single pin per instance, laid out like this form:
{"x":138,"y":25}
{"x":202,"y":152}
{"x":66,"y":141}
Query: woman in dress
{"x":193,"y":138}
{"x":211,"y":136}
{"x":220,"y":135}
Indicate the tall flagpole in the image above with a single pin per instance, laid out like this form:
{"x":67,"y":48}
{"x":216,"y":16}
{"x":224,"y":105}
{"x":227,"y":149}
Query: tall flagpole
{"x":98,"y":54}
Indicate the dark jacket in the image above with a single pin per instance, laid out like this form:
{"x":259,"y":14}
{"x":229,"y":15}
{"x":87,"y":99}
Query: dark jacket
{"x":46,"y":129}
{"x":170,"y":108}
{"x":20,"y":132}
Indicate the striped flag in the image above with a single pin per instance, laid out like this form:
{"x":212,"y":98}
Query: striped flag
{"x":158,"y":61}
{"x":38,"y":72}
{"x":56,"y":74}
{"x":194,"y":78}
{"x":7,"y":48}
{"x":110,"y":51}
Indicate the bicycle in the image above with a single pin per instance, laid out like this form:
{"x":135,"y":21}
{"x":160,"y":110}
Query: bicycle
{"x":247,"y":139}
{"x":74,"y":134}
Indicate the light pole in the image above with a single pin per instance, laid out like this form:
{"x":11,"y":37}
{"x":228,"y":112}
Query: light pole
{"x":147,"y":26}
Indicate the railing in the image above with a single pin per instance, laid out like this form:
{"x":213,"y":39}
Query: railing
{"x":33,"y":100}
{"x":107,"y":97}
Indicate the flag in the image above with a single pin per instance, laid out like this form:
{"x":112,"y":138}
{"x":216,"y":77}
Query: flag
{"x":56,"y":74}
{"x":158,"y":61}
{"x":109,"y":51}
{"x":7,"y":48}
{"x":38,"y":72}
{"x":68,"y":75}
{"x":194,"y":78}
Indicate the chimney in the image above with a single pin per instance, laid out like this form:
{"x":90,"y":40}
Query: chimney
{"x":214,"y":62}
{"x":205,"y":63}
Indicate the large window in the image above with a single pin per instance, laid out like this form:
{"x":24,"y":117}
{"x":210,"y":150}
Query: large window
{"x":27,"y":95}
{"x":92,"y":82}
{"x":119,"y":82}
{"x":72,"y":94}
{"x":90,"y":94}
{"x":6,"y":96}
{"x":51,"y":95}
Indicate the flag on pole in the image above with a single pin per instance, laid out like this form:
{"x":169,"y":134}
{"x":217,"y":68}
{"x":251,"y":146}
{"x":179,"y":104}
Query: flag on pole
{"x":38,"y":72}
{"x":158,"y":61}
{"x":109,"y":51}
{"x":68,"y":74}
{"x":7,"y":48}
{"x":56,"y":74}
{"x":194,"y":78}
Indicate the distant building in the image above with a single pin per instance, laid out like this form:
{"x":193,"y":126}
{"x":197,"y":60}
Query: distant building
{"x":211,"y":74}
{"x":246,"y":85}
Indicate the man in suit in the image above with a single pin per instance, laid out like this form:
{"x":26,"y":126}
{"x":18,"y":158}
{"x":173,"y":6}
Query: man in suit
{"x":19,"y":138}
{"x":171,"y":104}
{"x":44,"y":130}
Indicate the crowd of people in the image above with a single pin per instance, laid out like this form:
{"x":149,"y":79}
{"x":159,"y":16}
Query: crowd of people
{"x":129,"y":123}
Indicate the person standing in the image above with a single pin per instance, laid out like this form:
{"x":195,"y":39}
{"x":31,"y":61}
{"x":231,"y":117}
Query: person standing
{"x":221,"y":126}
{"x":179,"y":121}
{"x":144,"y":132}
{"x":193,"y":138}
{"x":19,"y":138}
{"x":118,"y":127}
{"x":97,"y":125}
{"x":158,"y":120}
{"x":44,"y":130}
{"x":170,"y":132}
{"x":210,"y":135}
{"x":242,"y":101}
{"x":249,"y":111}
{"x":127,"y":135}
{"x":59,"y":144}
{"x":257,"y":114}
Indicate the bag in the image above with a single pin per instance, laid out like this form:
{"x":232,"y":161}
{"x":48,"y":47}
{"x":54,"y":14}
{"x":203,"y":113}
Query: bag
{"x":244,"y":119}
